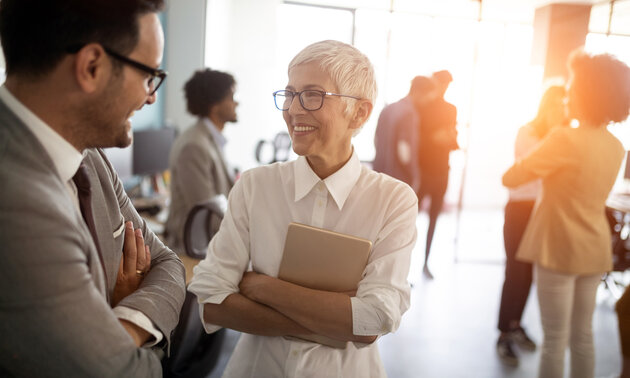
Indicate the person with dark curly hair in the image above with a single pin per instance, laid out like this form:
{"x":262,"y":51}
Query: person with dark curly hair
{"x":198,"y":167}
{"x":568,"y":237}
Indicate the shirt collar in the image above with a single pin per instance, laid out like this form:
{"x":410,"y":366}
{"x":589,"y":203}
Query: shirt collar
{"x":339,"y":184}
{"x":216,"y":134}
{"x":64,"y":156}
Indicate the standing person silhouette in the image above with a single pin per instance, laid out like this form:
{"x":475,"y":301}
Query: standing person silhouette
{"x":396,"y":137}
{"x":568,"y":237}
{"x":438,"y":137}
{"x":518,"y":274}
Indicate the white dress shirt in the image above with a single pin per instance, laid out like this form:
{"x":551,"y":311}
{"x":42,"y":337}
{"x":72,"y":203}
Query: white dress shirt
{"x":354,"y":200}
{"x":66,"y":160}
{"x":526,"y":142}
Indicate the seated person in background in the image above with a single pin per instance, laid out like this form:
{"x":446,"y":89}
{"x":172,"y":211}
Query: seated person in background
{"x":396,"y":138}
{"x":328,"y":98}
{"x":198,"y":168}
{"x":69,"y":249}
{"x":518,"y":274}
{"x":568,"y":236}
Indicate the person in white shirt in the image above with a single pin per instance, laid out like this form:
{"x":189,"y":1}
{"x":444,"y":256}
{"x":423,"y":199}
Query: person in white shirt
{"x":329,"y":96}
{"x":518,"y":274}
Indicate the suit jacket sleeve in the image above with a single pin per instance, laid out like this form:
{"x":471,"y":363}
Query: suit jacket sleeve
{"x":552,"y":154}
{"x":161,"y":294}
{"x":54,"y":318}
{"x":195,"y":167}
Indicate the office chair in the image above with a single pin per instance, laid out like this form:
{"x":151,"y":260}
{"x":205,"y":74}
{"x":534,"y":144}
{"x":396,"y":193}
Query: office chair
{"x":201,"y":224}
{"x":268,"y":152}
{"x":194,"y":353}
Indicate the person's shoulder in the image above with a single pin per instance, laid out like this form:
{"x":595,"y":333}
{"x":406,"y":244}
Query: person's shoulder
{"x":267,"y":172}
{"x":385,"y":186}
{"x":193,"y":133}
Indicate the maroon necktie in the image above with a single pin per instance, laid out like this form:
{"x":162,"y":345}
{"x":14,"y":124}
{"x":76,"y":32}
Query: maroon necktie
{"x":82,"y":181}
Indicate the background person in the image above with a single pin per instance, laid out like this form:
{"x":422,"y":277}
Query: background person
{"x":76,"y":72}
{"x":198,"y":167}
{"x":518,"y":274}
{"x":438,"y":137}
{"x":568,"y":237}
{"x":328,"y":98}
{"x":396,"y":138}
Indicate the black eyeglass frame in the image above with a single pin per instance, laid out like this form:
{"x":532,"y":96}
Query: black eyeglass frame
{"x":299,"y":96}
{"x":154,"y":72}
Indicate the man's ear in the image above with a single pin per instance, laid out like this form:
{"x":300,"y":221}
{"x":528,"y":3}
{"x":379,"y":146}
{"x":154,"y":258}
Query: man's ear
{"x":362,"y":112}
{"x":92,"y":67}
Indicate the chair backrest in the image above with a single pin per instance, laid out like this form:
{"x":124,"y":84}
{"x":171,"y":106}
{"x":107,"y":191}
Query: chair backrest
{"x":193,"y":352}
{"x":202,"y":223}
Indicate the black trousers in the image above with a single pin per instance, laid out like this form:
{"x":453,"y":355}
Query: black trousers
{"x":518,"y":275}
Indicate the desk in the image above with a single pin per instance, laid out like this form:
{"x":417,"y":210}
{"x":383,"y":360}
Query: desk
{"x":619,"y":202}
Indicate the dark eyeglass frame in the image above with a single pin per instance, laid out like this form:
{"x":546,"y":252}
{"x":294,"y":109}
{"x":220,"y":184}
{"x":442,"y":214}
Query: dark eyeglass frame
{"x":154,"y":72}
{"x":284,"y":92}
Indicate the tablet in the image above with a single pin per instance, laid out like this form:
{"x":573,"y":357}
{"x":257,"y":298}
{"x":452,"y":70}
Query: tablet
{"x":322,"y":259}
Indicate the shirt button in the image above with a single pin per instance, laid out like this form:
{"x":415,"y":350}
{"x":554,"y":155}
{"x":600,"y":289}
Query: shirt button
{"x":295,"y":353}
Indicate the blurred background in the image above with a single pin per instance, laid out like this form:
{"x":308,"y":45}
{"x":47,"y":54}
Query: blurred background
{"x":502,"y":54}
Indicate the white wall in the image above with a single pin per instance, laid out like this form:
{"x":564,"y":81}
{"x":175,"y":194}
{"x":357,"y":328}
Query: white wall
{"x":184,"y":52}
{"x":241,"y":40}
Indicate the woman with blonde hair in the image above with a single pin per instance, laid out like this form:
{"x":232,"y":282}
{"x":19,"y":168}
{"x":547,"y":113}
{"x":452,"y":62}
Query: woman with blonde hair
{"x":518,"y":274}
{"x":329,"y":96}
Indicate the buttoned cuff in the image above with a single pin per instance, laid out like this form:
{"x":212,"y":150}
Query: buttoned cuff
{"x":141,"y":320}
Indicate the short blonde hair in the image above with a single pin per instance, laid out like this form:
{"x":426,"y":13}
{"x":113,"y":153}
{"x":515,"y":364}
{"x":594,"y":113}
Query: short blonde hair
{"x":350,"y":70}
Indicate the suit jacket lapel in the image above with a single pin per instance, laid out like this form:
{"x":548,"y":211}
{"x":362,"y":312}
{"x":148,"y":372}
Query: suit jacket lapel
{"x":33,"y":150}
{"x":105,"y":228}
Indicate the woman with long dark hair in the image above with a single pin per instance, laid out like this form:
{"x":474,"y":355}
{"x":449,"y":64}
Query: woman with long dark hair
{"x":518,"y":274}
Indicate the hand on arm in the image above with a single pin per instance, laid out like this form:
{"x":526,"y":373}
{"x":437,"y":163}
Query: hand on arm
{"x":325,"y":313}
{"x":136,"y":258}
{"x":134,"y":264}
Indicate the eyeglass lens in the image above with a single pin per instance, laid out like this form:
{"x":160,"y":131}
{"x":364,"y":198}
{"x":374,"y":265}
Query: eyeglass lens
{"x":310,"y":100}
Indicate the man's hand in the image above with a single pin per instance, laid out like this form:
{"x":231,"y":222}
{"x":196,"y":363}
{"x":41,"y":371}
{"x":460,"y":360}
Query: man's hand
{"x":134,"y":264}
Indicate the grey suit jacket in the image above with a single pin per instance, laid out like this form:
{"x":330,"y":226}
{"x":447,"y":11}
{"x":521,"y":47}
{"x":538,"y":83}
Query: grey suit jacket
{"x":198,"y":173}
{"x":55,"y":318}
{"x":397,"y":122}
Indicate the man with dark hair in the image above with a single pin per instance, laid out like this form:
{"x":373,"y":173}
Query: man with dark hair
{"x":198,"y":167}
{"x":84,"y":283}
{"x":438,"y":137}
{"x":396,"y":137}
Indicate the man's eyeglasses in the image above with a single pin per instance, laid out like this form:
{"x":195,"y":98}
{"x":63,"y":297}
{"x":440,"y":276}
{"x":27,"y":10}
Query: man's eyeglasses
{"x":310,"y":99}
{"x":156,"y":78}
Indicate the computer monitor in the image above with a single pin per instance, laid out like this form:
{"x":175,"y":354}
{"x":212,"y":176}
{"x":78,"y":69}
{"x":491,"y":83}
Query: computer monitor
{"x":121,"y":160}
{"x":151,"y":148}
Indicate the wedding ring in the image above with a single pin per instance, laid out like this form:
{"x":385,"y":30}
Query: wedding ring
{"x":139,"y":273}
